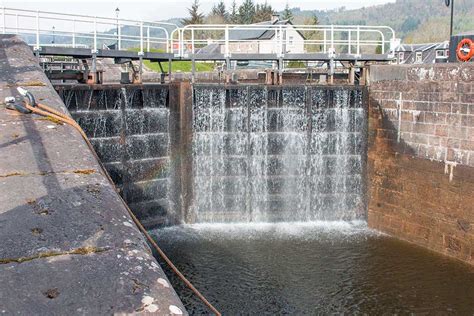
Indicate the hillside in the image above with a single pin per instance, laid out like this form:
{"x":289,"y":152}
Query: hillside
{"x":415,"y":21}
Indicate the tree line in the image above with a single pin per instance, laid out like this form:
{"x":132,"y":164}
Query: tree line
{"x":246,"y":13}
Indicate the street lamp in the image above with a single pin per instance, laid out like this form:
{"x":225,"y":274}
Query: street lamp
{"x":450,"y":3}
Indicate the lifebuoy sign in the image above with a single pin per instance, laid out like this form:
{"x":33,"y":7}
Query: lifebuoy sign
{"x":465,"y":50}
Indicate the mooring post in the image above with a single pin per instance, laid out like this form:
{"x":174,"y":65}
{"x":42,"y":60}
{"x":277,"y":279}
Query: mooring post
{"x":140,"y":69}
{"x":331,"y":71}
{"x":280,"y":71}
{"x":92,"y":77}
{"x":227,"y":70}
{"x":351,"y":73}
{"x":193,"y":69}
{"x":170,"y":63}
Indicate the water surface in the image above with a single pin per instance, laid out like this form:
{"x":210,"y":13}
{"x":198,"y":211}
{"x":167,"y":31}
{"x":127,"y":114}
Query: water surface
{"x":313,"y":268}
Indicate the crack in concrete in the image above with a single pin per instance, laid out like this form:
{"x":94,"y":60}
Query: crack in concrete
{"x":47,"y":173}
{"x":12,"y":174}
{"x":78,"y":251}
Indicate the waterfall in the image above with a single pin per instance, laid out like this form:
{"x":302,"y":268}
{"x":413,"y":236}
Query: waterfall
{"x":129,"y":129}
{"x":271,"y":154}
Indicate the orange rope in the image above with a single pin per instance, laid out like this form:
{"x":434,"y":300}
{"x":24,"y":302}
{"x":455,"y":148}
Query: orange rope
{"x":47,"y":111}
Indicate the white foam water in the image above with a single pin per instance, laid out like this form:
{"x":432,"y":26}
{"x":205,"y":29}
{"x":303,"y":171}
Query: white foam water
{"x":278,"y":155}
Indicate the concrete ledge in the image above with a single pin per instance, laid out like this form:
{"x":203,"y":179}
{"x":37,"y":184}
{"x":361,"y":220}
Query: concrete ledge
{"x":450,"y":71}
{"x":68,"y":245}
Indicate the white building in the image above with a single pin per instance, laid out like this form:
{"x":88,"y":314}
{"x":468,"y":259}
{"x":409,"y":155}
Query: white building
{"x":261,"y":41}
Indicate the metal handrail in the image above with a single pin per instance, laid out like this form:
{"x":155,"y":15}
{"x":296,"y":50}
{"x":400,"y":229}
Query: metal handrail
{"x":34,"y":21}
{"x":281,"y":39}
{"x":97,"y":31}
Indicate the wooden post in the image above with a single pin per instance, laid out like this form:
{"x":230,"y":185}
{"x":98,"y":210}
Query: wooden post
{"x":181,"y":136}
{"x":351,"y":74}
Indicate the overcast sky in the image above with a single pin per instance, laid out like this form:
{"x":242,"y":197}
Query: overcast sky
{"x":165,"y":9}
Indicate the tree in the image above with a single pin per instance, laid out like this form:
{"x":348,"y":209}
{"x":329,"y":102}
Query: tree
{"x":247,"y":12}
{"x":194,"y":16}
{"x":287,"y":14}
{"x":409,"y":24}
{"x":234,"y":15}
{"x":263,"y":12}
{"x":312,"y":34}
{"x":219,"y":10}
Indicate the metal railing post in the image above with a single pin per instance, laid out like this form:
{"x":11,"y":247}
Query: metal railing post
{"x":181,"y":46}
{"x":119,"y":34}
{"x":349,"y":42}
{"x":141,"y":38}
{"x":148,"y":38}
{"x":332,"y":39}
{"x":383,"y":44}
{"x":325,"y":47}
{"x":171,"y":43}
{"x":358,"y":40}
{"x":37,"y":30}
{"x":227,"y":40}
{"x":73,"y":33}
{"x":95,"y":34}
{"x":281,"y":41}
{"x":192,"y":41}
{"x":4,"y":20}
{"x":17,"y":24}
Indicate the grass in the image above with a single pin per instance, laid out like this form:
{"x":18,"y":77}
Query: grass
{"x":176,"y":66}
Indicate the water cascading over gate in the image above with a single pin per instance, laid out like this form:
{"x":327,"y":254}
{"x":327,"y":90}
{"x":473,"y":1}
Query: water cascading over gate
{"x":267,"y":154}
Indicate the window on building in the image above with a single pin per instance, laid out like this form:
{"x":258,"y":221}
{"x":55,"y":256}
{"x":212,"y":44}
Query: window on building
{"x":440,"y":53}
{"x":447,"y":53}
{"x":419,"y":57}
{"x":290,"y":40}
{"x":401,"y":57}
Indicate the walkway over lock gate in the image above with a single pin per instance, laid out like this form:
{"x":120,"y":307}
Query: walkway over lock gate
{"x":82,"y":36}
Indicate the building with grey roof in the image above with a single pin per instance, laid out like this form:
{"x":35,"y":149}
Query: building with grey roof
{"x":427,"y":53}
{"x":260,"y":38}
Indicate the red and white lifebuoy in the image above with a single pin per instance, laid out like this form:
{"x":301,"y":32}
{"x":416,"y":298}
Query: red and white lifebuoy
{"x":465,"y":50}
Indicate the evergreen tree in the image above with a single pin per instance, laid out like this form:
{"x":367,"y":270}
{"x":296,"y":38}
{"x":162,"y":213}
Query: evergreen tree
{"x":218,"y":10}
{"x":312,"y":34}
{"x":234,"y":14}
{"x":263,"y":12}
{"x":247,"y":12}
{"x":287,"y":14}
{"x":194,"y":16}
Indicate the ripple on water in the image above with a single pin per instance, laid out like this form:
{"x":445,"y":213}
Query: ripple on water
{"x":316,"y":267}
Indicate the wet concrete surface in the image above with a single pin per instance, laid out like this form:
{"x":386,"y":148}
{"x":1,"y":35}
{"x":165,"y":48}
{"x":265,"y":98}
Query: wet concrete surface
{"x":67,"y":244}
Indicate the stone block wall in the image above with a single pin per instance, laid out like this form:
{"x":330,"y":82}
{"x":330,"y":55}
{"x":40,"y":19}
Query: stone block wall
{"x":129,"y":128}
{"x":421,"y":155}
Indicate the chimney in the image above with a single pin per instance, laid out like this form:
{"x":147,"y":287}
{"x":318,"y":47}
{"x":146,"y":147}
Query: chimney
{"x":275,"y":17}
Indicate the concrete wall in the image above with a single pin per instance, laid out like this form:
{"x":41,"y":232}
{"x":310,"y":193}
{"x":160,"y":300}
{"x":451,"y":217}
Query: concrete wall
{"x":67,"y":243}
{"x":421,"y":155}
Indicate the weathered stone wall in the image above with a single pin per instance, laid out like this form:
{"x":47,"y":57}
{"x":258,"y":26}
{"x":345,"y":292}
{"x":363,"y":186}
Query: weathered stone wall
{"x":129,"y":128}
{"x":67,"y":243}
{"x":421,"y":155}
